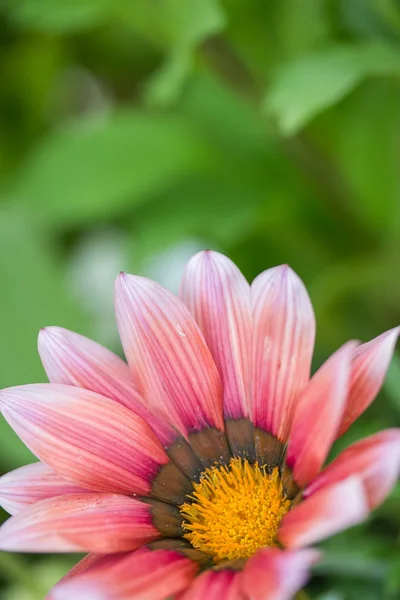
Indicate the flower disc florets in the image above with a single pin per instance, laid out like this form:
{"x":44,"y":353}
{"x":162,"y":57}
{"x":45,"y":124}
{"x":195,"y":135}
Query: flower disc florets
{"x":235,"y":510}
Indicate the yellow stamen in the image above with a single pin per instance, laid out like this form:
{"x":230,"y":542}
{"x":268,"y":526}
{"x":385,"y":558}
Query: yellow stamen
{"x":235,"y":510}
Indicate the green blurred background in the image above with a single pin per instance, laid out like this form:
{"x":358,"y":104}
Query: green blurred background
{"x":135,"y":132}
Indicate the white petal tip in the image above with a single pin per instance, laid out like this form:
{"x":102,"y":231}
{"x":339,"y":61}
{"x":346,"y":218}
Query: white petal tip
{"x":126,"y":281}
{"x":389,"y":338}
{"x":6,"y":398}
{"x":207,"y":258}
{"x":122,"y":279}
{"x":49,"y":334}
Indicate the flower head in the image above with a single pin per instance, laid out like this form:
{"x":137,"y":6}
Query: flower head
{"x":197,"y":469}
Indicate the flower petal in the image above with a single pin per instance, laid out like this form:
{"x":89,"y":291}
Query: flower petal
{"x":101,"y":523}
{"x":273,"y":574}
{"x":85,"y":437}
{"x":317,"y":416}
{"x":73,"y":359}
{"x":143,"y":575}
{"x":369,"y":367}
{"x":283,"y":342}
{"x":325,"y":513}
{"x":91,"y":562}
{"x":29,"y":484}
{"x":218,"y":296}
{"x":167,"y":353}
{"x":375,"y":460}
{"x":214,"y":585}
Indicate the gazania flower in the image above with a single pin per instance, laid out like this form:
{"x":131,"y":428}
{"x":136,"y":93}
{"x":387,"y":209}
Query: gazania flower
{"x":196,"y":471}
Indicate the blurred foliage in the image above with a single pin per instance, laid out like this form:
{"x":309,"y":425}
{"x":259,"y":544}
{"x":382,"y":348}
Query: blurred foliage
{"x":131,"y":132}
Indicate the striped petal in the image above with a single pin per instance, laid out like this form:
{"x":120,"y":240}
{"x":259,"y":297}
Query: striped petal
{"x":218,"y":296}
{"x":214,"y":585}
{"x":92,"y":562}
{"x":318,"y":414}
{"x":73,"y":359}
{"x":327,"y":512}
{"x":283,"y":342}
{"x":84,"y":437}
{"x":143,"y":575}
{"x":375,"y":460}
{"x":29,"y":484}
{"x":168,"y":354}
{"x":369,"y":367}
{"x":101,"y":523}
{"x":273,"y":574}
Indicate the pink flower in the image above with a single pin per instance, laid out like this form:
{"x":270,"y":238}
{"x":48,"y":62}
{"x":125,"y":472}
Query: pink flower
{"x":205,"y":454}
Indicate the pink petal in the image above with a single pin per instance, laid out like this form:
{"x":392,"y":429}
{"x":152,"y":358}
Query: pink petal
{"x":29,"y":484}
{"x":73,"y":359}
{"x":142,"y":575}
{"x":85,"y":437}
{"x":327,"y":512}
{"x":214,"y":585}
{"x":101,"y":523}
{"x":218,"y":296}
{"x":283,"y":342}
{"x":92,"y":562}
{"x":273,"y":574}
{"x":318,"y":414}
{"x":167,"y":353}
{"x":375,"y":460}
{"x":369,"y":367}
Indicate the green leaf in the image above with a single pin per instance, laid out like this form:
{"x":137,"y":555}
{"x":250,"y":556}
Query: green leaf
{"x":360,"y":136}
{"x":302,"y":25}
{"x":309,"y":85}
{"x":58,"y":17}
{"x":227,"y":118}
{"x":99,"y":166}
{"x":371,"y":17}
{"x":193,"y":23}
{"x":32,"y":296}
{"x":210,"y":210}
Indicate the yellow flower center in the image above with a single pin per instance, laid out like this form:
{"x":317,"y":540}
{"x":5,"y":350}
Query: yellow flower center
{"x":235,"y":510}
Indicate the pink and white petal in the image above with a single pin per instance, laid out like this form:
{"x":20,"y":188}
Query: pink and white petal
{"x":86,"y":438}
{"x":214,"y":585}
{"x":32,"y":483}
{"x":100,"y":523}
{"x":218,"y":296}
{"x":143,"y":575}
{"x":92,"y":562}
{"x":283,"y":342}
{"x":73,"y":359}
{"x":327,"y":512}
{"x":273,"y":574}
{"x":375,"y":460}
{"x":369,"y":367}
{"x":318,"y":414}
{"x":168,"y":355}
